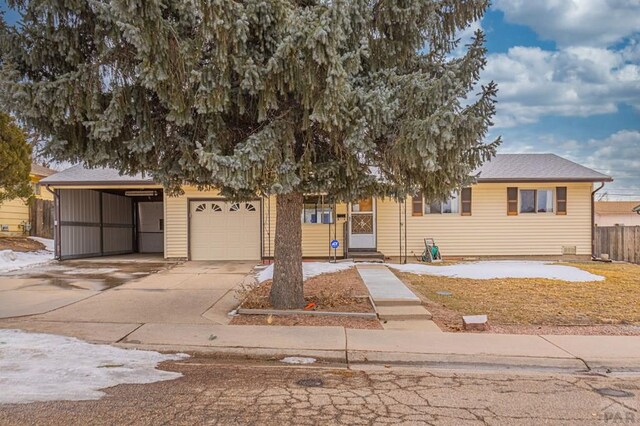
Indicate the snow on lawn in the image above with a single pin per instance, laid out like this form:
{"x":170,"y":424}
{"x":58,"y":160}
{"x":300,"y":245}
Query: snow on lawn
{"x":11,"y":260}
{"x":309,"y":269}
{"x":48,"y":243}
{"x":46,"y":367}
{"x":502,"y":269}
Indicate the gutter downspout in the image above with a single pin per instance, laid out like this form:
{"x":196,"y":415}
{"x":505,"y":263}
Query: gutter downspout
{"x":593,"y":221}
{"x":56,"y":223}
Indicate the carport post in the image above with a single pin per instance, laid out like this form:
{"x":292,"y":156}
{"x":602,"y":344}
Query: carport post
{"x":101,"y":226}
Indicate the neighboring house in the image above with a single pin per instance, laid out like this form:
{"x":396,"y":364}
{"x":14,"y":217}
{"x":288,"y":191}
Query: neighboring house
{"x":610,"y":213}
{"x":14,"y":214}
{"x":521,"y":205}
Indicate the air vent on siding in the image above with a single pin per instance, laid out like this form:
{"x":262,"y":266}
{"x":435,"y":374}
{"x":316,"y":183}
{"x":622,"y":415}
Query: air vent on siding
{"x":569,"y":250}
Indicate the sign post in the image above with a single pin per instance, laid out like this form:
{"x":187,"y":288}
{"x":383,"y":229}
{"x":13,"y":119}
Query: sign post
{"x":334,"y":245}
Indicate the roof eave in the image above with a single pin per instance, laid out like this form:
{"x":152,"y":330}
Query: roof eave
{"x":101,"y":183}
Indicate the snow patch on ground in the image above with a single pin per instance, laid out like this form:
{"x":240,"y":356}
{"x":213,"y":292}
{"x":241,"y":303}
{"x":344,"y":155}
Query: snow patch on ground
{"x":46,"y":367}
{"x":502,"y":269}
{"x":48,"y":243}
{"x":11,"y":260}
{"x":309,"y":269}
{"x":297,"y":360}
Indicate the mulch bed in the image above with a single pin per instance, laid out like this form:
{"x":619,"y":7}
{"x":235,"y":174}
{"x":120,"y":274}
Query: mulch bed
{"x":20,"y":244}
{"x":341,"y":291}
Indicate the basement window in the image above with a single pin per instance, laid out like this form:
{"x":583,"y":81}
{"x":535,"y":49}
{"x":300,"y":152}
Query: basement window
{"x":316,"y":210}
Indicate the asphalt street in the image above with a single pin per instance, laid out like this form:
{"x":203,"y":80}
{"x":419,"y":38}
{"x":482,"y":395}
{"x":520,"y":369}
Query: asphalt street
{"x":231,"y":393}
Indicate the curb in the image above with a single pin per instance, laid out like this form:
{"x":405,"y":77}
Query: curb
{"x":400,"y":359}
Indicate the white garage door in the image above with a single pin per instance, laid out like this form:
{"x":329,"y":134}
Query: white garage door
{"x":221,"y":230}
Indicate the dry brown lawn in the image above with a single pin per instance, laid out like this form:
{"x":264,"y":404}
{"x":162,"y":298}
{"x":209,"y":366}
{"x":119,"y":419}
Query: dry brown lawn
{"x":21,"y":244}
{"x":541,"y":302}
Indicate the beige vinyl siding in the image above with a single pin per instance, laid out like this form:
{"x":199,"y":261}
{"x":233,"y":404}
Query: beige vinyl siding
{"x":489,"y":231}
{"x":14,"y":213}
{"x":316,"y":237}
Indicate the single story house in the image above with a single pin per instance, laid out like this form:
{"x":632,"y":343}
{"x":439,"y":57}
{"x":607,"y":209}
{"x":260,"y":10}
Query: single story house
{"x":14,"y":214}
{"x":611,"y":213}
{"x":521,"y":205}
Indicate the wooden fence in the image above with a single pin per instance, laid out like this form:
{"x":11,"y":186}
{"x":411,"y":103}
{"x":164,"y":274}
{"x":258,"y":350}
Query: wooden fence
{"x":619,"y":242}
{"x":41,"y":217}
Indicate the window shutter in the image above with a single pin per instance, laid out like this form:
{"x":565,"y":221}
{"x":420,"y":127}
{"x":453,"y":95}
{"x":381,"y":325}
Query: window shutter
{"x":416,"y":205}
{"x":561,"y":200}
{"x":465,"y":197}
{"x":512,"y":201}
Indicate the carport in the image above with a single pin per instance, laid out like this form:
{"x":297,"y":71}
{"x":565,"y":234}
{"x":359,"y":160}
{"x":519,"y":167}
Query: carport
{"x":101,"y":213}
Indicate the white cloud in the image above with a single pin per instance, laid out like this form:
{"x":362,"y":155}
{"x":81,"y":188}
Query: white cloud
{"x":575,"y":81}
{"x":575,"y":22}
{"x":617,"y":155}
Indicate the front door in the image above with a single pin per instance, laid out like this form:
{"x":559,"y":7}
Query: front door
{"x":362,"y":224}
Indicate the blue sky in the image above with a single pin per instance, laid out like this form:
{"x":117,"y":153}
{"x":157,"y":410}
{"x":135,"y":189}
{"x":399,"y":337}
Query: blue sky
{"x":568,"y":73}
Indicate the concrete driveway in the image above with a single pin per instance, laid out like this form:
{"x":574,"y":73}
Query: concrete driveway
{"x":47,"y":287}
{"x":189,"y":293}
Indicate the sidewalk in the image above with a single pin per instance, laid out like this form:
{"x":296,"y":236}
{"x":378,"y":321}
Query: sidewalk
{"x":336,"y":344}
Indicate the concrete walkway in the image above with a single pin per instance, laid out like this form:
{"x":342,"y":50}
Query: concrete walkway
{"x":336,"y":344}
{"x":385,"y":288}
{"x":397,"y":306}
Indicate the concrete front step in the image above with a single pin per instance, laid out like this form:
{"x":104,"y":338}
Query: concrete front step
{"x":366,"y":260}
{"x":366,"y":256}
{"x":398,"y":302}
{"x":411,"y":312}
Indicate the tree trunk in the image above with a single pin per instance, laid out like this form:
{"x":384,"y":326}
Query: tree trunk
{"x":286,"y":290}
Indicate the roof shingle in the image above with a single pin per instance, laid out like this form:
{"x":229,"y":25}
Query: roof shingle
{"x":615,"y":207}
{"x":536,"y":167}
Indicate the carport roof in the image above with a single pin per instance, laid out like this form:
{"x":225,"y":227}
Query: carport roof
{"x":80,"y":175}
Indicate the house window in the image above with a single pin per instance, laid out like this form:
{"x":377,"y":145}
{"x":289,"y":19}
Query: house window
{"x":536,"y":201}
{"x":316,"y":210}
{"x":452,"y":205}
{"x":545,"y":201}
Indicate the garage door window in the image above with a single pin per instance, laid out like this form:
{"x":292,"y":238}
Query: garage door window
{"x":216,"y":207}
{"x":202,"y":207}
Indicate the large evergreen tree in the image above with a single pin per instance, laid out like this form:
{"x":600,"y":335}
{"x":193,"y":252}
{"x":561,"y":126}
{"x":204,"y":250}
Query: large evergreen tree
{"x":253,"y":97}
{"x":15,"y":161}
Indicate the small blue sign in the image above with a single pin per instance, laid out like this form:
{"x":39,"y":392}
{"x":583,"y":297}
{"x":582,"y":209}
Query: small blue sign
{"x":335,"y":244}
